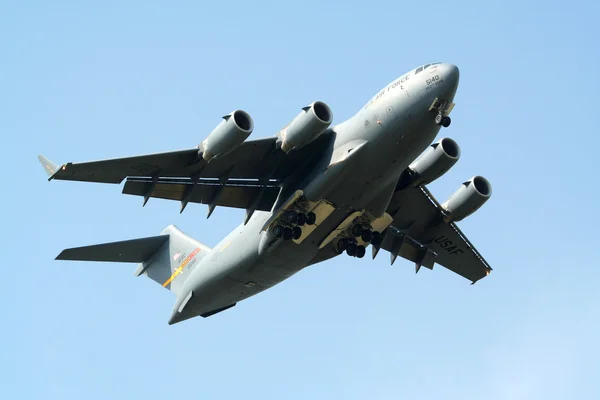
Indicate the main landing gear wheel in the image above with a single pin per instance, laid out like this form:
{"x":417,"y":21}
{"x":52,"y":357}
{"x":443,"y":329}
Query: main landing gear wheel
{"x":287,"y":233}
{"x":290,"y":217}
{"x":367,"y":235}
{"x":342,"y":245}
{"x":351,"y":249}
{"x":301,"y":219}
{"x":376,"y":239}
{"x":358,"y":230}
{"x":278,"y":231}
{"x":360,"y":251}
{"x":311,"y":218}
{"x":297,"y":232}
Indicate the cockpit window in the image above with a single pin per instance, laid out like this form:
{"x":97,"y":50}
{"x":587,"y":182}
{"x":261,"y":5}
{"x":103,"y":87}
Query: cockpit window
{"x":426,"y":66}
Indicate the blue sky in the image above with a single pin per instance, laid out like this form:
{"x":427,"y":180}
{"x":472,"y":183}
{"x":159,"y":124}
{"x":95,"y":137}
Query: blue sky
{"x":89,"y":81}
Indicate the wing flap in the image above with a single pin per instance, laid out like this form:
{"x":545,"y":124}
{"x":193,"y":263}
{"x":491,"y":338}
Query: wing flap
{"x":418,"y":216}
{"x":234,"y":194}
{"x":136,"y":250}
{"x":457,"y":254}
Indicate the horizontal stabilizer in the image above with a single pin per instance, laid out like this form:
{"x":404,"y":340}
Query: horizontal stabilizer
{"x":134,"y":251}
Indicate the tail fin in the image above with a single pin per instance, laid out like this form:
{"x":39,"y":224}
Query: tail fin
{"x":167,"y":259}
{"x":173,"y":263}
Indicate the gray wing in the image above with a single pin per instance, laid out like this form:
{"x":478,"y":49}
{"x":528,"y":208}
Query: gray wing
{"x":420,"y":234}
{"x":248,"y":177}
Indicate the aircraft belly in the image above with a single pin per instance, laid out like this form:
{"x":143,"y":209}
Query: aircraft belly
{"x":236,"y":269}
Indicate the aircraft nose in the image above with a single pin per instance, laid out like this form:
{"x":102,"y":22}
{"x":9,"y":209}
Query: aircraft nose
{"x":451,"y":75}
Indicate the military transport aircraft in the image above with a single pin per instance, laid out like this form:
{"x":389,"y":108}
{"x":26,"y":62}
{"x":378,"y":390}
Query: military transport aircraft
{"x":311,"y":192}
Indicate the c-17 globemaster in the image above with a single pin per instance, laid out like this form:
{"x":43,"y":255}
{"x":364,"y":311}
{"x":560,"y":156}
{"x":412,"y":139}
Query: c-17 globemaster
{"x":311,"y":192}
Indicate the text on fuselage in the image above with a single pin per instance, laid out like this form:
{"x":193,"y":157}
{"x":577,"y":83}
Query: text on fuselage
{"x":395,"y":84}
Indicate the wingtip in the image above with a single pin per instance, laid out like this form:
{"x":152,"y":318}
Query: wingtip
{"x":48,"y":165}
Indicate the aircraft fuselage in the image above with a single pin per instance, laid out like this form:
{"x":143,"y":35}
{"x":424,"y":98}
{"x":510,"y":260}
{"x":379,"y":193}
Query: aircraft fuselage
{"x":358,"y":172}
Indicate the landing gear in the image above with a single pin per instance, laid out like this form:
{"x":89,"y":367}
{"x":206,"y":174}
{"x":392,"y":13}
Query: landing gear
{"x":360,"y":251}
{"x":351,"y":249}
{"x":278,"y":231}
{"x":342,"y":245}
{"x":363,"y":231}
{"x":301,"y":219}
{"x":288,"y":233}
{"x":357,"y":230}
{"x":442,"y":109}
{"x":297,"y":232}
{"x":291,"y":217}
{"x":367,"y":235}
{"x":376,"y":239}
{"x":292,"y":221}
{"x":443,"y":120}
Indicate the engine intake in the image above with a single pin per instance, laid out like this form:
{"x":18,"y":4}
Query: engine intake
{"x":227,"y":136}
{"x":312,"y":121}
{"x":469,"y":197}
{"x":434,"y":162}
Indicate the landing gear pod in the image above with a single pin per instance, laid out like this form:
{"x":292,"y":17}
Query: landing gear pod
{"x":312,"y":121}
{"x":468,"y":198}
{"x":227,"y":136}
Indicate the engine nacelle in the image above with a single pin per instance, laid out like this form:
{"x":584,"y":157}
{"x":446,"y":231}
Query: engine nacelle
{"x":434,"y":162}
{"x":312,"y":121}
{"x":227,"y":136}
{"x":468,"y":198}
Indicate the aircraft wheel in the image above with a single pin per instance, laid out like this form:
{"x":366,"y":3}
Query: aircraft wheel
{"x":360,"y":251}
{"x":311,"y":218}
{"x":297,"y":232}
{"x":301,"y":219}
{"x":439,"y":118}
{"x":367,"y":235}
{"x":342,"y":245}
{"x":376,"y":239}
{"x":357,"y":230}
{"x":351,"y":249}
{"x":446,"y":122}
{"x":290,"y":216}
{"x":287,"y":233}
{"x":278,"y":231}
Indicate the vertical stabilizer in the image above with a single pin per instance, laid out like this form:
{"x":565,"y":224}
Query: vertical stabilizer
{"x":172,"y":264}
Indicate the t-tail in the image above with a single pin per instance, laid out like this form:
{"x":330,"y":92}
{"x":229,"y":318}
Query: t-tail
{"x":167,"y":258}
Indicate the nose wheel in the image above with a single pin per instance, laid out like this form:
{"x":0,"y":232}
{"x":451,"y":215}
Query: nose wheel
{"x":443,"y":120}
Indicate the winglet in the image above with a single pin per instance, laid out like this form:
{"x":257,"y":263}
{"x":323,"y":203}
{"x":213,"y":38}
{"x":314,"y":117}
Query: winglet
{"x":49,"y":166}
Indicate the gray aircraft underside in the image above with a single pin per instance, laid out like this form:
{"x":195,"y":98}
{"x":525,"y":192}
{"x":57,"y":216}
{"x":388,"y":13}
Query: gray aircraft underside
{"x":311,"y":192}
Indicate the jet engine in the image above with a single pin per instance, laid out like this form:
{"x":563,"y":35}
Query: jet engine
{"x":312,"y":121}
{"x":434,"y":162}
{"x":227,"y":136}
{"x":469,"y":197}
